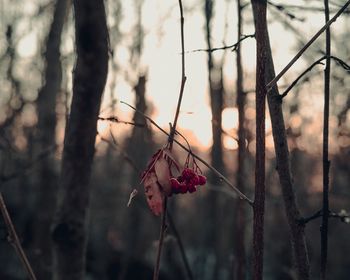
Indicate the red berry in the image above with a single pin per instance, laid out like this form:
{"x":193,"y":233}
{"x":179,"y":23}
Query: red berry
{"x":180,"y":179}
{"x":175,"y":185}
{"x":194,"y":180}
{"x":202,"y":180}
{"x":183,"y":187}
{"x":188,"y":173}
{"x":191,"y":188}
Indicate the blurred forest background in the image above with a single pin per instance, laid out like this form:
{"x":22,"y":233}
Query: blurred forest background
{"x":214,"y":227}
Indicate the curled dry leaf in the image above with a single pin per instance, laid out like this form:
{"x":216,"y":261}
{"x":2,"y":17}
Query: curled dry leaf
{"x":131,"y":197}
{"x":154,"y":196}
{"x":162,"y":171}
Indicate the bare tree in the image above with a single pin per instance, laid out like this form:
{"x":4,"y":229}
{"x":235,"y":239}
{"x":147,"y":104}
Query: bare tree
{"x":239,"y":248}
{"x":259,"y":8}
{"x":216,"y":92}
{"x":46,"y":107}
{"x":283,"y":166}
{"x":90,"y":73}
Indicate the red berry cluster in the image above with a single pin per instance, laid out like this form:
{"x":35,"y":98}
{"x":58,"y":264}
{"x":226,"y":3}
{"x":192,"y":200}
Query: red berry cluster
{"x":188,"y":181}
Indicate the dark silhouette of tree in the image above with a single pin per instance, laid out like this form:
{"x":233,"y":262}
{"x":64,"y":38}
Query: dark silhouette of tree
{"x":283,"y":167}
{"x":46,"y":108}
{"x":240,"y":220}
{"x":90,"y":73}
{"x":259,"y":8}
{"x":216,"y":93}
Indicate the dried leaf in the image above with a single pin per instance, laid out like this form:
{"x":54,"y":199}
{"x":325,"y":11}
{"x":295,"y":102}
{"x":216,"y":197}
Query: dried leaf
{"x":154,"y":196}
{"x":169,"y":154}
{"x":162,"y":170}
{"x":132,"y":195}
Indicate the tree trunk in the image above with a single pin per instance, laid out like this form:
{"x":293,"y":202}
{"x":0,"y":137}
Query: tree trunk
{"x":283,"y":167}
{"x":259,"y":8}
{"x":240,"y":221}
{"x":46,"y":106}
{"x":216,"y":91}
{"x":70,"y":228}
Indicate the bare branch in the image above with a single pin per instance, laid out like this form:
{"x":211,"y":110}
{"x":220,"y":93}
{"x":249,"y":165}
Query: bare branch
{"x":283,"y":9}
{"x":170,"y":142}
{"x":116,"y":120}
{"x":307,"y":45}
{"x":343,"y":215}
{"x":181,"y":247}
{"x":215,"y":171}
{"x":304,"y":8}
{"x":343,"y":64}
{"x":319,"y":61}
{"x":233,"y":47}
{"x":14,"y":240}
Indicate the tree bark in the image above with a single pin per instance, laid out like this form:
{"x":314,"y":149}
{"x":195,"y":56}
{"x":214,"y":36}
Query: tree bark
{"x":70,"y":228}
{"x":240,"y":221}
{"x":46,"y":106}
{"x":259,"y":8}
{"x":283,"y":167}
{"x":216,"y":92}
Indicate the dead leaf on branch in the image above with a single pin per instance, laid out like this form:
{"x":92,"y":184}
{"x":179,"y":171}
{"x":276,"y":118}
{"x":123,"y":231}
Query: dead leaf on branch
{"x":159,"y":181}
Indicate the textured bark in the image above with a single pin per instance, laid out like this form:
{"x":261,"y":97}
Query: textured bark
{"x":240,"y":221}
{"x":259,"y":8}
{"x":70,"y":228}
{"x":46,"y":106}
{"x":283,"y":168}
{"x":216,"y":91}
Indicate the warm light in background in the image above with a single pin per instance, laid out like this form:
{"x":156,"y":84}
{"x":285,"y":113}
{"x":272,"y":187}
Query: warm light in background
{"x":229,"y":119}
{"x":161,"y":62}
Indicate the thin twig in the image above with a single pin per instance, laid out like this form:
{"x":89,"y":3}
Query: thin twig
{"x":282,"y":9}
{"x":342,"y":215}
{"x":304,"y":221}
{"x":307,"y":45}
{"x":325,"y":159}
{"x":233,"y":47}
{"x":161,"y":240}
{"x":170,"y":142}
{"x":215,"y":171}
{"x":319,"y":61}
{"x":181,"y":247}
{"x":14,"y":240}
{"x":116,"y":120}
{"x":306,"y":8}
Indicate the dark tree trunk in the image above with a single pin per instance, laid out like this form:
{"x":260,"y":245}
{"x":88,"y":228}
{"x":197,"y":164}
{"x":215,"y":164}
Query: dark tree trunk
{"x":139,"y":148}
{"x":283,"y":167}
{"x":259,"y":8}
{"x":216,"y":91}
{"x":240,"y":221}
{"x":70,"y":228}
{"x":46,"y":106}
